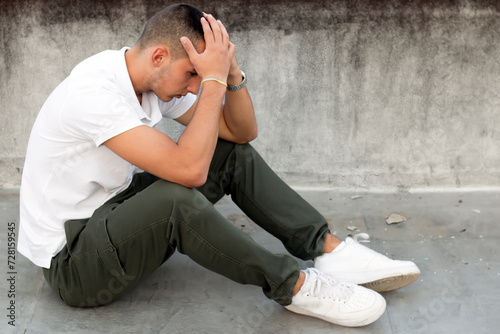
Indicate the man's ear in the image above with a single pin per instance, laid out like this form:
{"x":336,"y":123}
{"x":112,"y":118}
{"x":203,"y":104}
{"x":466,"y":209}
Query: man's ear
{"x":160,"y":55}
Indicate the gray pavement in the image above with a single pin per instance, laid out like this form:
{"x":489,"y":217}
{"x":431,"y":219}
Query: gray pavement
{"x":453,"y":237}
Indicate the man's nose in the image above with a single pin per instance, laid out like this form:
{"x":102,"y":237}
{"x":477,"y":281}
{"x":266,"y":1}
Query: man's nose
{"x":194,"y":85}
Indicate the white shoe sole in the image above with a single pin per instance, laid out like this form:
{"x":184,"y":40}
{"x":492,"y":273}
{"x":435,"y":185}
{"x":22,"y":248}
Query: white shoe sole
{"x":380,"y":280}
{"x":391,"y":283}
{"x":346,"y":323}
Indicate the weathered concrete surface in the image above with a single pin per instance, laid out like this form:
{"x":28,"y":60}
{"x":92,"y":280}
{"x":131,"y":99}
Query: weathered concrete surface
{"x":453,"y":238}
{"x":365,"y":94}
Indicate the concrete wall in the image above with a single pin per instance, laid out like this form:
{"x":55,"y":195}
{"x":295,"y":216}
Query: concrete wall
{"x":351,"y":94}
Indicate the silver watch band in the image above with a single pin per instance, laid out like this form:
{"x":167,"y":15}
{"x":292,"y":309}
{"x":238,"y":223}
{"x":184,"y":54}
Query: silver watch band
{"x":239,"y":86}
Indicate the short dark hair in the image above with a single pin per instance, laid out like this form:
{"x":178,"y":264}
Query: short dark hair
{"x":169,"y":25}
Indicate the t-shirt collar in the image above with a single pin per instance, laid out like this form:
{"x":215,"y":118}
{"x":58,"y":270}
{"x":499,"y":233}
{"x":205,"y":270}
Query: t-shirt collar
{"x":147,"y":110}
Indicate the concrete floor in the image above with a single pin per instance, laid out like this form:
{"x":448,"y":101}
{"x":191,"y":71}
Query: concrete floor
{"x":452,"y":237}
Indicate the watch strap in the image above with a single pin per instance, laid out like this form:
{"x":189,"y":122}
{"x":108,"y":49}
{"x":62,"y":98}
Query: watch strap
{"x":239,"y":86}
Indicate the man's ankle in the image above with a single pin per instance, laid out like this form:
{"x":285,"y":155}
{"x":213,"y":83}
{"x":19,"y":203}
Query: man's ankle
{"x":300,"y":282}
{"x":331,"y":242}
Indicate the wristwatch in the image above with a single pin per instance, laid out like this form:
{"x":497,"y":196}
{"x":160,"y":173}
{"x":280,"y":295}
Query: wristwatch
{"x":239,"y":86}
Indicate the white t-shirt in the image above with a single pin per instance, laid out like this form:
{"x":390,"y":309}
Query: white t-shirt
{"x":68,"y":173}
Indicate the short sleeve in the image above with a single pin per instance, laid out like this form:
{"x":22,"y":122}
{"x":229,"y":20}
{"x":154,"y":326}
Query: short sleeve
{"x":177,"y":107}
{"x":104,"y":116}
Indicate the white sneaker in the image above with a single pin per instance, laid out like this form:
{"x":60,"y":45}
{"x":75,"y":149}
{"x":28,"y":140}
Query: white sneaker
{"x":338,"y":302}
{"x":359,"y":264}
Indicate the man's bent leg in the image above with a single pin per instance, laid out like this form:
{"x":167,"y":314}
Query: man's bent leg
{"x":240,"y":171}
{"x":77,"y":272}
{"x":130,"y":240}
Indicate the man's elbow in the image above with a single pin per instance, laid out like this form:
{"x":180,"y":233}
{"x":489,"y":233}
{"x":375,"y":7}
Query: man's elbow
{"x":196,"y":178}
{"x":253,"y":135}
{"x":249,"y":136}
{"x":199,"y":180}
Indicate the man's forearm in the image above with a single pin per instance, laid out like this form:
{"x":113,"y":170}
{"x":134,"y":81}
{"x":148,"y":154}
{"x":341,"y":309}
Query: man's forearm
{"x":200,"y":135}
{"x":239,"y":112}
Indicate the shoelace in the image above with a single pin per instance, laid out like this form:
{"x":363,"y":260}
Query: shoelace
{"x":365,"y":236}
{"x":325,"y":286}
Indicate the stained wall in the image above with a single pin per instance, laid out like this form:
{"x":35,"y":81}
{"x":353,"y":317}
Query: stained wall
{"x":348,"y":94}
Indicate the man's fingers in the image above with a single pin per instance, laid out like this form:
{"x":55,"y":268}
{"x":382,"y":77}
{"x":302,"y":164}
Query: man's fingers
{"x":224,"y":32}
{"x":189,"y":47}
{"x":232,"y":49}
{"x":209,"y":35}
{"x":217,"y":32}
{"x":215,"y":60}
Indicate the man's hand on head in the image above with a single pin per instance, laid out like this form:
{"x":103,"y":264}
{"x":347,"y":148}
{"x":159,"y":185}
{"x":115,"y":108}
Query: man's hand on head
{"x":217,"y":58}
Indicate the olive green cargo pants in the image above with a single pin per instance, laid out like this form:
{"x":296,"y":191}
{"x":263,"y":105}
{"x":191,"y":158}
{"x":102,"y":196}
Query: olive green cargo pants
{"x":135,"y":232}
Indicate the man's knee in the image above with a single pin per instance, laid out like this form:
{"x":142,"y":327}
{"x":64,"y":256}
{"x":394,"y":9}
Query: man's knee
{"x":185,"y":202}
{"x":163,"y":192}
{"x":246,"y":153}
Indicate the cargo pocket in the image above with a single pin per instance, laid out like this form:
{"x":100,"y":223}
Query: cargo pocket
{"x":106,"y":250}
{"x":73,"y":228}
